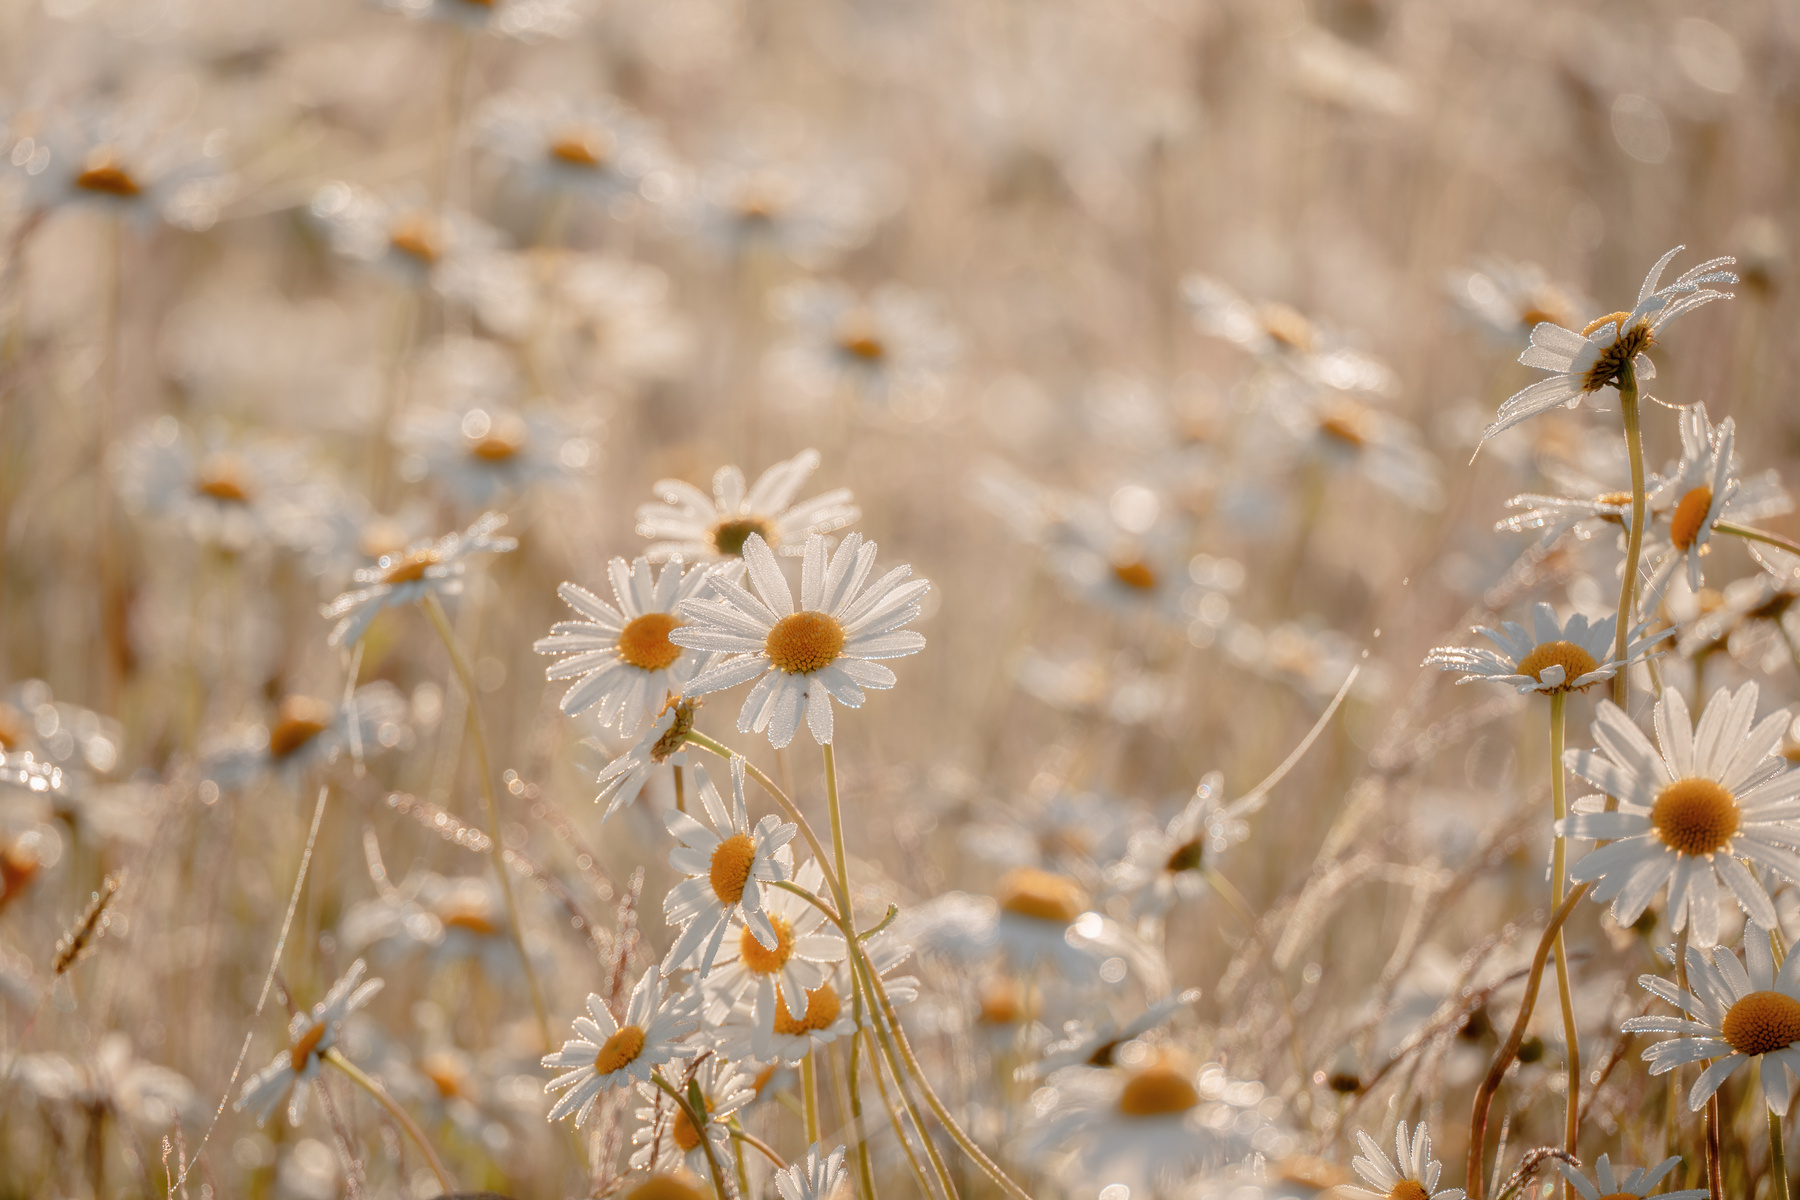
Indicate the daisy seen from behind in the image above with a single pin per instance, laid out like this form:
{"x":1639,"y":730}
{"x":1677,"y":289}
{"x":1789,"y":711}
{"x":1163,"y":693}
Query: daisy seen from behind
{"x":687,"y":523}
{"x":726,"y":867}
{"x":607,"y":1053}
{"x":804,"y":658}
{"x":1554,"y":656}
{"x":622,"y":779}
{"x":1412,"y":1174}
{"x":1713,"y":795}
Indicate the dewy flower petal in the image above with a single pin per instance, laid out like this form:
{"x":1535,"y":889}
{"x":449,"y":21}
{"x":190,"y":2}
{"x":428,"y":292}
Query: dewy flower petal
{"x":608,"y":1053}
{"x":685,"y":523}
{"x":405,"y":578}
{"x":726,"y":867}
{"x":1554,"y":656}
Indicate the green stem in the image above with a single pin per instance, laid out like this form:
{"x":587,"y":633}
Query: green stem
{"x":809,"y":1095}
{"x":1757,"y":535}
{"x":1634,"y":542}
{"x":369,"y":1085}
{"x":485,"y":775}
{"x":865,"y":1172}
{"x":1777,"y":1149}
{"x":1559,"y":885}
{"x":697,"y":1122}
{"x":744,"y":1137}
{"x":680,"y":790}
{"x":894,"y":1119}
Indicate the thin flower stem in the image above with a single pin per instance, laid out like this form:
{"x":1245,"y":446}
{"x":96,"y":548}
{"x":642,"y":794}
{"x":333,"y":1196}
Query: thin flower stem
{"x":787,"y":805}
{"x":744,"y":1136}
{"x":1757,"y":535}
{"x":1634,"y":542}
{"x":894,"y":1119}
{"x":680,"y":790}
{"x":696,"y":1121}
{"x":374,"y":1088}
{"x":485,"y":776}
{"x":904,"y":1084}
{"x":809,"y":1094}
{"x":864,"y":1169}
{"x":1559,"y":884}
{"x":1240,"y":907}
{"x":1777,"y":1150}
{"x":1509,"y":1049}
{"x":865,"y":1173}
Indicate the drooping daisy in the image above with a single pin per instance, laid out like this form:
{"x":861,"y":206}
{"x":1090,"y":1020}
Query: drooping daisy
{"x":485,"y":455}
{"x":688,"y":524}
{"x":623,"y":778}
{"x":1554,"y":656}
{"x":819,"y":1176}
{"x":1702,"y":490}
{"x":1736,"y":1012}
{"x":607,"y":1053}
{"x":726,"y":867}
{"x":798,"y":961}
{"x":1713,"y":794}
{"x":1589,"y":362}
{"x":1412,"y":1174}
{"x":398,"y":579}
{"x":665,"y":1138}
{"x":310,"y":1035}
{"x":803,"y":659}
{"x":1612,"y":1185}
{"x":621,"y":657}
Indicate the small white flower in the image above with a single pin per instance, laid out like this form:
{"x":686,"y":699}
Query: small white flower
{"x":688,"y":524}
{"x":1703,"y":490}
{"x":1739,"y":1012}
{"x":798,"y":961}
{"x":771,"y":1033}
{"x":1638,"y":1183}
{"x":308,"y":732}
{"x":819,"y":1177}
{"x":398,"y":579}
{"x":621,"y":656}
{"x":726,"y":867}
{"x":804,"y":658}
{"x":1412,"y":1174}
{"x":310,"y":1035}
{"x":665,"y":1138}
{"x":1554,"y":657}
{"x":1589,"y":362}
{"x":1713,"y":794}
{"x":607,"y":1053}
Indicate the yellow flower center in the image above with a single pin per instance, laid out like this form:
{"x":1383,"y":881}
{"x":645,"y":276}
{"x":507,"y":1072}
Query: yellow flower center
{"x":1695,"y":816}
{"x":683,"y":1131}
{"x":1135,"y":575}
{"x":1004,"y":1002}
{"x":728,"y":537}
{"x":645,"y":643}
{"x":1029,"y":892}
{"x":1287,"y":325}
{"x":1348,"y":422}
{"x":803,"y":642}
{"x":822,"y":1005}
{"x":762,"y":959}
{"x":1157,"y":1091}
{"x":446,"y":1073}
{"x":663,"y":1187}
{"x":303,"y":1049}
{"x":416,"y":234}
{"x":1409,"y":1189}
{"x":672,"y":740}
{"x":1690,"y":517}
{"x":108,"y":178}
{"x":224,"y":477}
{"x":411,"y":567}
{"x":1761,"y":1022}
{"x":1574,"y":661}
{"x":1616,"y":499}
{"x":730,"y":871}
{"x":582,"y":147}
{"x":620,"y":1050}
{"x":856,"y":336}
{"x":298,"y":721}
{"x":504,"y":439}
{"x":470,"y":913}
{"x":1614,"y":358}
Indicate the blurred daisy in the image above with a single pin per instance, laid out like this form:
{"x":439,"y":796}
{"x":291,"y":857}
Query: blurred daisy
{"x":1347,"y":434}
{"x":664,"y":1133}
{"x":310,"y":1035}
{"x":819,"y":1176}
{"x":1745,"y":610}
{"x":811,"y":211}
{"x":687,"y":524}
{"x":623,"y":778}
{"x":481,"y":457}
{"x":590,"y":146}
{"x":803,"y":659}
{"x":726,"y":867}
{"x":889,"y":347}
{"x":1412,"y":1174}
{"x":1128,"y":555}
{"x":426,"y":567}
{"x":798,"y":961}
{"x":1281,"y":335}
{"x":1557,"y":515}
{"x":1640,"y":1182}
{"x":606,"y":1053}
{"x":1588,"y":363}
{"x":118,"y":162}
{"x":1507,"y":300}
{"x":1163,"y":866}
{"x":309,"y":733}
{"x":1702,"y":490}
{"x":1552,"y":657}
{"x":621,"y":656}
{"x":1687,"y":813}
{"x":1097,"y":1045}
{"x":399,"y":234}
{"x":237,"y":495}
{"x":1736,"y":1013}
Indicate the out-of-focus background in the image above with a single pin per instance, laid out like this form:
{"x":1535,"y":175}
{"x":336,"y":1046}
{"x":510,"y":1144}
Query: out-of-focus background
{"x":1157,"y":335}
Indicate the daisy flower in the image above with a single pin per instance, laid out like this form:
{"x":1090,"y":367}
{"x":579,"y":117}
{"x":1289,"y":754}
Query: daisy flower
{"x":803,"y":658}
{"x":1612,"y":1185}
{"x":688,"y":524}
{"x":606,"y":1053}
{"x":1736,"y":1012}
{"x":310,"y":1035}
{"x":771,"y":1033}
{"x":889,"y":347}
{"x":1553,"y":657}
{"x":1097,"y":1045}
{"x":820,"y":1176}
{"x":237,"y":495}
{"x":1412,"y":1174}
{"x":1703,"y":490}
{"x":623,"y":778}
{"x":481,"y":457}
{"x":1130,"y":555}
{"x":798,"y":961}
{"x":1280,"y":334}
{"x":593,"y":147}
{"x":1713,"y":794}
{"x":120,"y":162}
{"x":1163,"y":866}
{"x":425,"y":567}
{"x":664,"y":1132}
{"x":1557,"y":515}
{"x":399,"y":235}
{"x":1345,"y":433}
{"x":308,"y":732}
{"x":621,"y":657}
{"x":1588,"y":363}
{"x":1507,"y":300}
{"x":726,"y":867}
